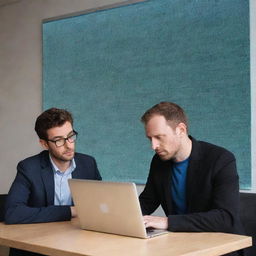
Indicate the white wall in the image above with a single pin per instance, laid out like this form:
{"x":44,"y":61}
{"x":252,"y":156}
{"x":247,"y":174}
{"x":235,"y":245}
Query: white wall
{"x":21,"y":75}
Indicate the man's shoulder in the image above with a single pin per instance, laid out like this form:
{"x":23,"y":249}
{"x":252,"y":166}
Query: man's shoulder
{"x":204,"y":148}
{"x":35,"y":159}
{"x":32,"y":165}
{"x":214,"y":147}
{"x":87,"y":165}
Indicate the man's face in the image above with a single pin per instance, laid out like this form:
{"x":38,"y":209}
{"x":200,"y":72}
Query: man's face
{"x":63,"y":153}
{"x":165,"y":140}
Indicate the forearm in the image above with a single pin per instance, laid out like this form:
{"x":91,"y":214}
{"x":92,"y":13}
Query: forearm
{"x":217,"y":220}
{"x":22,"y":214}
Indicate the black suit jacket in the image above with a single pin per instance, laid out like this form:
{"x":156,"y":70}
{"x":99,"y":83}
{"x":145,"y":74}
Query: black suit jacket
{"x":31,"y":196}
{"x":212,"y":190}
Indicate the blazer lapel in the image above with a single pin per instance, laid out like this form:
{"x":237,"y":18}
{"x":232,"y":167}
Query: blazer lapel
{"x":76,"y":174}
{"x":167,"y":168}
{"x":192,"y":172}
{"x":48,"y":178}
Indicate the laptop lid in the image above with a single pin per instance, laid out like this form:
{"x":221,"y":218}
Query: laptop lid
{"x":111,"y":207}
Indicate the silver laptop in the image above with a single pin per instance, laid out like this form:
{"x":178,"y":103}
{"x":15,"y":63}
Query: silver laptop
{"x":110,"y":207}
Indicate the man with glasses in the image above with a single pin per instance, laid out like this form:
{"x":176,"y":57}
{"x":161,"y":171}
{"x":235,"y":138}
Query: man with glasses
{"x":40,"y":191}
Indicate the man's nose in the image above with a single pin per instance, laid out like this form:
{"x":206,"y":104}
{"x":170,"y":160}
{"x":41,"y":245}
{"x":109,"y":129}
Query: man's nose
{"x":68,"y":144}
{"x":154,"y":144}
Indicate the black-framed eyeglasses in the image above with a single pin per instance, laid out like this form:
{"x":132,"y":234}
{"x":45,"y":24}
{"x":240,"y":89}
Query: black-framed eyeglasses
{"x":60,"y":142}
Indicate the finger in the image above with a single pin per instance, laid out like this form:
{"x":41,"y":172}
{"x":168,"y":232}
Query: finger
{"x":147,"y":217}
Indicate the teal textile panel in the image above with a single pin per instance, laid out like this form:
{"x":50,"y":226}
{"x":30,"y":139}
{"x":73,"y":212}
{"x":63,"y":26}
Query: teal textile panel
{"x":107,"y":67}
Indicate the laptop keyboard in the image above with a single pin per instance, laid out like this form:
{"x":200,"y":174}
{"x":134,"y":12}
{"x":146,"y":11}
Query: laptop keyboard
{"x":154,"y":232}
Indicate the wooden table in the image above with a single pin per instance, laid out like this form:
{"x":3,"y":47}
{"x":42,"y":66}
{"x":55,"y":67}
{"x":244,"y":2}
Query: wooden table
{"x":66,"y":239}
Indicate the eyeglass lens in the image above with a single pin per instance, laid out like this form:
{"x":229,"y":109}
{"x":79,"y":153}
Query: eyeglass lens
{"x":70,"y":138}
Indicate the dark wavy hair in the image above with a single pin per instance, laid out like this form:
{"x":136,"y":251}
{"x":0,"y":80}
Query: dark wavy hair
{"x":53,"y":117}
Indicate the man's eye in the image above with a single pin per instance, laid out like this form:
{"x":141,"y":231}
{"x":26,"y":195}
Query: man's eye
{"x":56,"y":141}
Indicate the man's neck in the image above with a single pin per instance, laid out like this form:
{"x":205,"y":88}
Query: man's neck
{"x":185,"y":151}
{"x":61,"y":165}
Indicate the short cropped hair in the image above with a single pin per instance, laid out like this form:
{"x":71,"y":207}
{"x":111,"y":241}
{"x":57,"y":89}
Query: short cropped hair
{"x":172,"y":112}
{"x":53,"y":117}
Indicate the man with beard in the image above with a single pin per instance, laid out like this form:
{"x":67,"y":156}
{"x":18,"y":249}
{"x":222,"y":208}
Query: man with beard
{"x":40,"y":191}
{"x":195,"y":182}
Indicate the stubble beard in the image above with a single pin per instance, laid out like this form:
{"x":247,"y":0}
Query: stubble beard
{"x":63,"y":157}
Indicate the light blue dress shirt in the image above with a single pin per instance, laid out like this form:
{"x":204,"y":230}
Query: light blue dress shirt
{"x":62,"y":195}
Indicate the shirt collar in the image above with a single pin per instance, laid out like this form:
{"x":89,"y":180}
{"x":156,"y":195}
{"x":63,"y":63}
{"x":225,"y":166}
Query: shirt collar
{"x":70,"y":169}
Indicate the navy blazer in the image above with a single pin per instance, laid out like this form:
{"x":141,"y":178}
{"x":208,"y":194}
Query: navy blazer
{"x":212,"y":191}
{"x":31,"y":196}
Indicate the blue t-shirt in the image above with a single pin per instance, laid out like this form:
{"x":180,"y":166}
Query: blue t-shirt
{"x":178,"y":186}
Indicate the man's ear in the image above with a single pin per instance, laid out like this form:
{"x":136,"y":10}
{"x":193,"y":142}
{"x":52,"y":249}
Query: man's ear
{"x":181,"y":129}
{"x":44,"y":144}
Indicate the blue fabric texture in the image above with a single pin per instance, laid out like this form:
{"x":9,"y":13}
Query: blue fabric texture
{"x":178,"y":188}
